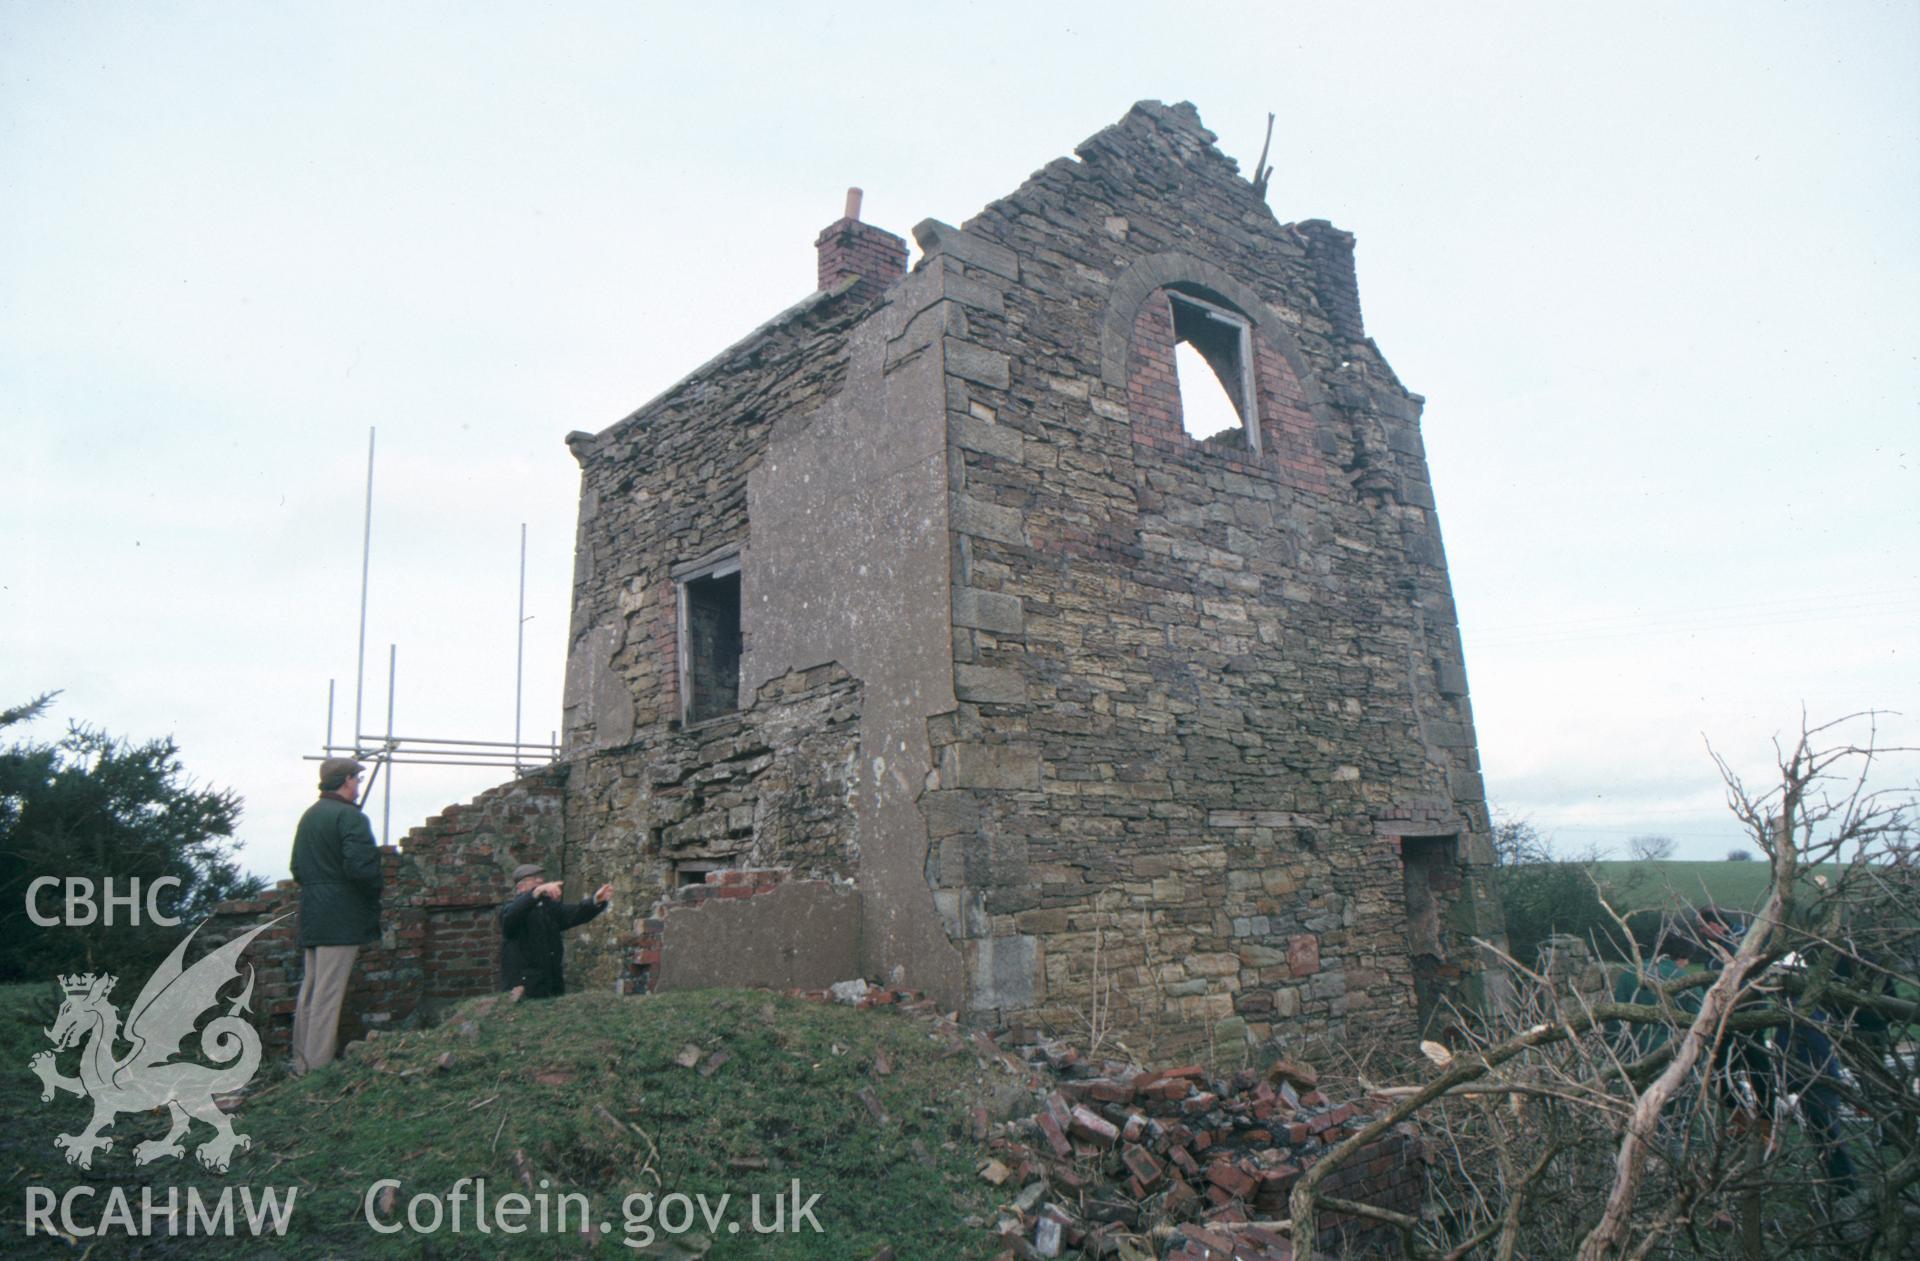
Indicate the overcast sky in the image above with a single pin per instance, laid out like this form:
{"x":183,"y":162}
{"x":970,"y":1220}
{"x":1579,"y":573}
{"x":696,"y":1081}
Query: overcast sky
{"x":1654,"y":267}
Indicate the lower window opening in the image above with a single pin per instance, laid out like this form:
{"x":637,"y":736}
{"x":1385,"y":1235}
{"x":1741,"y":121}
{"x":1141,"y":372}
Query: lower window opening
{"x":710,"y":661}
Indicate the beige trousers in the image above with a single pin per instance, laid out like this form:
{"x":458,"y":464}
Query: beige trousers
{"x":316,"y":1016}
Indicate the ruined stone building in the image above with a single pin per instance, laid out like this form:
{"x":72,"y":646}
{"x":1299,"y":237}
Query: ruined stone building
{"x":928,"y":634}
{"x":924,"y":634}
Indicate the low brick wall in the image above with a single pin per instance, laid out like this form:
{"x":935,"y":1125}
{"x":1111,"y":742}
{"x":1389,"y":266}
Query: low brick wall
{"x":438,"y":942}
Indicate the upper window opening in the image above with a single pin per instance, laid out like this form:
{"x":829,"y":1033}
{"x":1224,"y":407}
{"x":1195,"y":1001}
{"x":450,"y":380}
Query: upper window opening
{"x":710,"y":642}
{"x":1213,"y":363}
{"x":1205,"y":408}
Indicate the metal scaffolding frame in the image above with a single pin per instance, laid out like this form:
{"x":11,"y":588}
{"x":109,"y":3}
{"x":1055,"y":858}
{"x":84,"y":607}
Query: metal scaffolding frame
{"x":517,"y":755}
{"x":387,"y":749}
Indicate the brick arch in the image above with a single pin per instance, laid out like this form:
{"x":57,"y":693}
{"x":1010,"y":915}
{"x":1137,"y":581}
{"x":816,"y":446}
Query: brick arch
{"x":1287,"y":440}
{"x":1175,"y":270}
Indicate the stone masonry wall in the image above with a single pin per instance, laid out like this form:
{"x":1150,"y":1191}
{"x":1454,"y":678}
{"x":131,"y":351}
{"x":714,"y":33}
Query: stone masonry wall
{"x":667,"y":487}
{"x":811,"y":457}
{"x":1204,"y":690}
{"x":439,"y":941}
{"x":769,"y":786}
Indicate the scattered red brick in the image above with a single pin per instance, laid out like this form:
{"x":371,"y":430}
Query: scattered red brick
{"x":1302,"y":1076}
{"x":1176,"y":1164}
{"x":1112,"y":1156}
{"x":1094,"y":1128}
{"x":1143,"y":1166}
{"x":1231,"y":1178}
{"x":1055,"y":1136}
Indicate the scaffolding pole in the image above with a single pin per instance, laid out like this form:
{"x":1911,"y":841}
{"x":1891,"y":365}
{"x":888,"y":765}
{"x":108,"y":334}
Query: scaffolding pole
{"x":390,"y":749}
{"x":366,"y":553}
{"x":402,"y":757}
{"x":375,"y":752}
{"x":386,"y":808}
{"x":480,"y":744}
{"x":520,"y":639}
{"x":419,"y":750}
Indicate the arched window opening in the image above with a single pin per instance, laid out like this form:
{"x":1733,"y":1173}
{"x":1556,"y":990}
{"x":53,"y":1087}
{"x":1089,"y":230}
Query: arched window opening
{"x":1213,"y":365}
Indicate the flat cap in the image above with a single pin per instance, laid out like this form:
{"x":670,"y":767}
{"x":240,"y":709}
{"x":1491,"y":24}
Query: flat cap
{"x":527,"y":869}
{"x":336,"y":771}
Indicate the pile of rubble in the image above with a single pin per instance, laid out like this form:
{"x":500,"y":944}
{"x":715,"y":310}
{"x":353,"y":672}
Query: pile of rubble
{"x":1175,"y":1164}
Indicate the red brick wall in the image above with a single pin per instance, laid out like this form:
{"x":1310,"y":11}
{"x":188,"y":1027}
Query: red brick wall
{"x":438,"y":938}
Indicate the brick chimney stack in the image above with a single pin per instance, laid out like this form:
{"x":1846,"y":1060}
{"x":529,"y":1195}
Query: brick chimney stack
{"x":849,"y":247}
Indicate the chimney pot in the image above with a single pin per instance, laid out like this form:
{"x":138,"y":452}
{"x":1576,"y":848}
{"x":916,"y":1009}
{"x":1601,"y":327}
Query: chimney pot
{"x":853,"y":205}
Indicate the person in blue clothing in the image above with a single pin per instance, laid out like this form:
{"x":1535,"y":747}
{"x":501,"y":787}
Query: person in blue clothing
{"x":532,"y":954}
{"x":1811,"y":1071}
{"x":1797,"y":1061}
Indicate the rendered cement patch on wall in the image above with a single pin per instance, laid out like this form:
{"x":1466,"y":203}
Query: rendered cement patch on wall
{"x":801,"y":934}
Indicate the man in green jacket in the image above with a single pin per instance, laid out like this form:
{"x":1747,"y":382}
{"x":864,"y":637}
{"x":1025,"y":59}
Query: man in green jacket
{"x":337,"y":866}
{"x":1664,"y":954}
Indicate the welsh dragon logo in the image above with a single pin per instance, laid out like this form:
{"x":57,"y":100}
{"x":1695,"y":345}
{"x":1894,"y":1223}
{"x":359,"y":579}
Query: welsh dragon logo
{"x":148,"y":1076}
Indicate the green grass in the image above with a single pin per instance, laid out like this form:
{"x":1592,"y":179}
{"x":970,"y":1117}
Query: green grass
{"x":1632,"y":886}
{"x":584,"y":1093}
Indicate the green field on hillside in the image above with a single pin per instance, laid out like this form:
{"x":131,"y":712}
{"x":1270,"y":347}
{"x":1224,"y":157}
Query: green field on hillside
{"x":1633,"y":886}
{"x":717,"y":1093}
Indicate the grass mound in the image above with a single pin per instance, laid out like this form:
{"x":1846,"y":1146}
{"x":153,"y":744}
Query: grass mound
{"x":717,"y":1093}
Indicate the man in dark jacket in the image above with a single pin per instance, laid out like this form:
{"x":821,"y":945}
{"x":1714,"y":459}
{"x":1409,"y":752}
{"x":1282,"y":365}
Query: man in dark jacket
{"x":337,"y":865}
{"x":532,"y":956}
